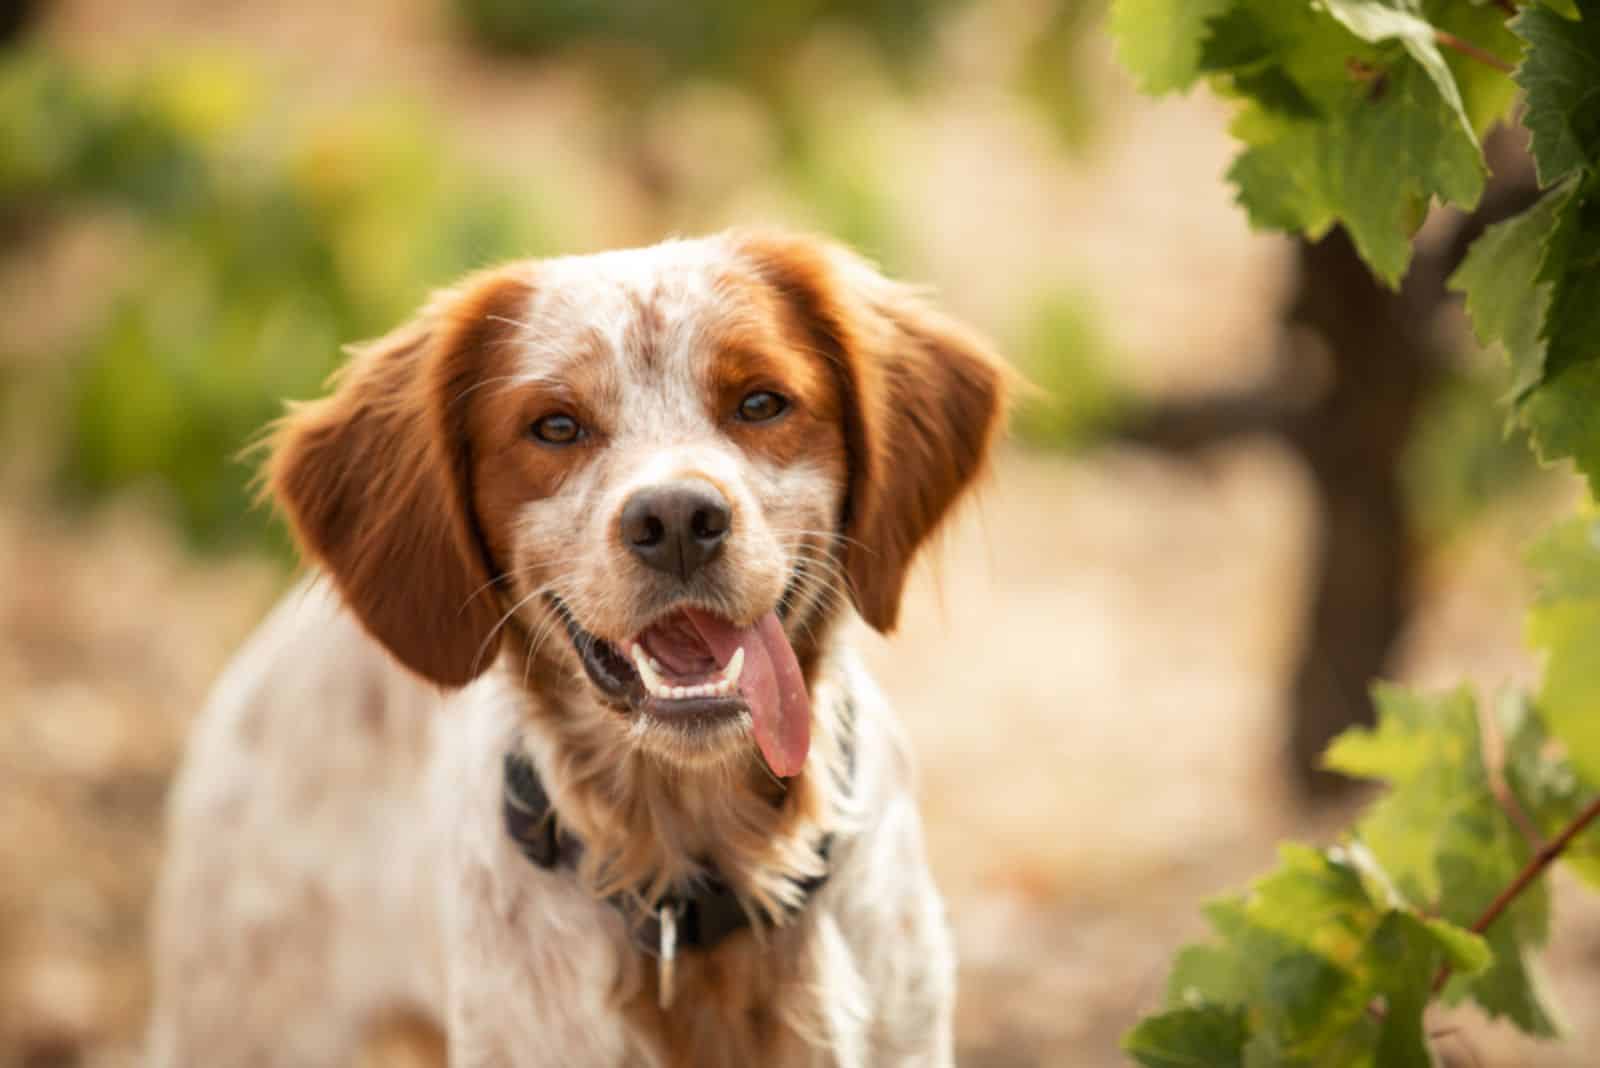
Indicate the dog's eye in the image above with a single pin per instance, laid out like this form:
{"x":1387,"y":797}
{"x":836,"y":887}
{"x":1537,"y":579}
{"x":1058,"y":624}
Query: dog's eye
{"x":762,"y":405}
{"x":557,"y":428}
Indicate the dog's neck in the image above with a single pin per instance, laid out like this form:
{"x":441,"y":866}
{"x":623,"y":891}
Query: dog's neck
{"x":649,"y":824}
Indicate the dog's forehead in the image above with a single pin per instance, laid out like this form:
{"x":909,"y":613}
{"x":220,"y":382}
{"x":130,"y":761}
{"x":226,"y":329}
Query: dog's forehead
{"x":639,"y":296}
{"x":640,"y":318}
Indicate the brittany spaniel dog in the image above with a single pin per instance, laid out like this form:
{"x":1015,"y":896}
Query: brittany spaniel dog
{"x":562,"y":751}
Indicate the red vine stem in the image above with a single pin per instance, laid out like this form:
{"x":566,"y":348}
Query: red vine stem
{"x":1445,"y":39}
{"x":1531,"y":871}
{"x":1508,"y":6}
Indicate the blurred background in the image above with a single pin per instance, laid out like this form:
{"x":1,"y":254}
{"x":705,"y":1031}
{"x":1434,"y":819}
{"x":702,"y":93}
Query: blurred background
{"x":1252,"y":480}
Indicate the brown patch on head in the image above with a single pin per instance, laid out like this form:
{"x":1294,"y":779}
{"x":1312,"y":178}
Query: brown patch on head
{"x":376,"y":481}
{"x":922,"y":404}
{"x":512,"y":467}
{"x":761,"y":350}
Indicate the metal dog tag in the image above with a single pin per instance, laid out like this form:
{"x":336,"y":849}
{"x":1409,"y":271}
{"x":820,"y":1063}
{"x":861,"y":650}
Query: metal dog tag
{"x":668,"y":955}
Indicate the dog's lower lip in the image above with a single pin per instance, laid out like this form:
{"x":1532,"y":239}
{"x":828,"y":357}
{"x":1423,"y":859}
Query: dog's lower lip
{"x":695,"y":711}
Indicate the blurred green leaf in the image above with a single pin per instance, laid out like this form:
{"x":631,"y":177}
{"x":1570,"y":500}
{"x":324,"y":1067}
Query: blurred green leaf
{"x":1463,"y":456}
{"x":1207,"y":1036}
{"x":1066,"y":357}
{"x":1565,"y":623}
{"x":1297,"y":969}
{"x":262,"y":250}
{"x":1159,"y":40}
{"x":727,"y":39}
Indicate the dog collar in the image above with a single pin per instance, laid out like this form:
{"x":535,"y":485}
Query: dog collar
{"x":698,"y":916}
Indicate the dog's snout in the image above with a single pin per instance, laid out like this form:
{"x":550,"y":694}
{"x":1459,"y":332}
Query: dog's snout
{"x":678,"y":527}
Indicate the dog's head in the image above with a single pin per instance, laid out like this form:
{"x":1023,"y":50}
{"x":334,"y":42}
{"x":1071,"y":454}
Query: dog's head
{"x":664,"y":469}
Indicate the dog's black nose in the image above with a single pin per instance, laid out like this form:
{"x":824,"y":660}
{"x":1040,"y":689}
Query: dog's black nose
{"x":677,"y":527}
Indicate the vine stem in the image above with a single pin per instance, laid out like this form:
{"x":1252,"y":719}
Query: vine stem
{"x":1446,"y":39}
{"x":1530,"y":871}
{"x":1508,"y":6}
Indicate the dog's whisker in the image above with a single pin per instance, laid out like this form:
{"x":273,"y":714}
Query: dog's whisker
{"x":831,"y":535}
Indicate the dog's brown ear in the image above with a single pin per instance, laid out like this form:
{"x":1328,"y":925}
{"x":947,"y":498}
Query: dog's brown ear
{"x":376,"y":482}
{"x":924,"y":399}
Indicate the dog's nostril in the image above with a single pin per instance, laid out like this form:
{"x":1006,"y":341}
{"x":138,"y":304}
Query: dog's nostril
{"x":676,"y":528}
{"x":650,"y":531}
{"x":709,"y":524}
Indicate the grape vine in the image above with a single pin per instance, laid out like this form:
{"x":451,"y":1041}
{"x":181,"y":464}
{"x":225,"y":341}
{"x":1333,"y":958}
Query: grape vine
{"x":1364,"y":114}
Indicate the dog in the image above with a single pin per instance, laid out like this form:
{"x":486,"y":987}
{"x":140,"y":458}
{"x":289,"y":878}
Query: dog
{"x":561,"y":747}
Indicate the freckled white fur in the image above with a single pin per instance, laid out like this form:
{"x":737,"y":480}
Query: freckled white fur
{"x":337,"y":850}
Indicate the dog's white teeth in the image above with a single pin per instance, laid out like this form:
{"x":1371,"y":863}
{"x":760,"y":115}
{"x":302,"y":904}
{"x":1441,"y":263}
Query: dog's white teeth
{"x":730,"y":674}
{"x":650,"y":672}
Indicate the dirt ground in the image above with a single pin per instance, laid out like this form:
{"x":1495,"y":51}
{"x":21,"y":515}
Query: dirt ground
{"x":1091,"y":678}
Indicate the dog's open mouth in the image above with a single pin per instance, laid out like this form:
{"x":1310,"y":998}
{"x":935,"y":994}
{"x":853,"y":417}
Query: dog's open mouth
{"x":693,"y":667}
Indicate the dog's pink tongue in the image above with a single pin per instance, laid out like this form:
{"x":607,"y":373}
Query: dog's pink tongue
{"x":771,"y":684}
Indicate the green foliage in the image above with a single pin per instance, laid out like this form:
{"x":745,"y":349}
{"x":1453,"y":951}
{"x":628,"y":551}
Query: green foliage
{"x":1461,"y":458}
{"x":1560,"y":77}
{"x":1064,"y":354}
{"x":1349,"y":112}
{"x":1506,"y":299}
{"x":1160,"y":40}
{"x":260,"y":252}
{"x":1352,"y":112}
{"x":1443,"y":839}
{"x":1318,"y":964}
{"x":1054,"y":76}
{"x":715,"y":38}
{"x":1531,"y":283}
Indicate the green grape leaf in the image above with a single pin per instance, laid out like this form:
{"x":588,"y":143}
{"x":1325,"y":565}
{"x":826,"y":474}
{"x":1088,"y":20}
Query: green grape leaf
{"x":1444,"y":840}
{"x":1573,"y":322}
{"x":1403,"y":954}
{"x":1562,"y":411}
{"x":1506,"y":300}
{"x":1372,"y":162}
{"x":1563,"y":417}
{"x":1561,"y":76}
{"x":1306,"y":954}
{"x":1373,"y":21}
{"x":1204,"y":1036}
{"x":1159,"y":40}
{"x":1350,"y":111}
{"x":1467,"y":952}
{"x":1204,"y":973}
